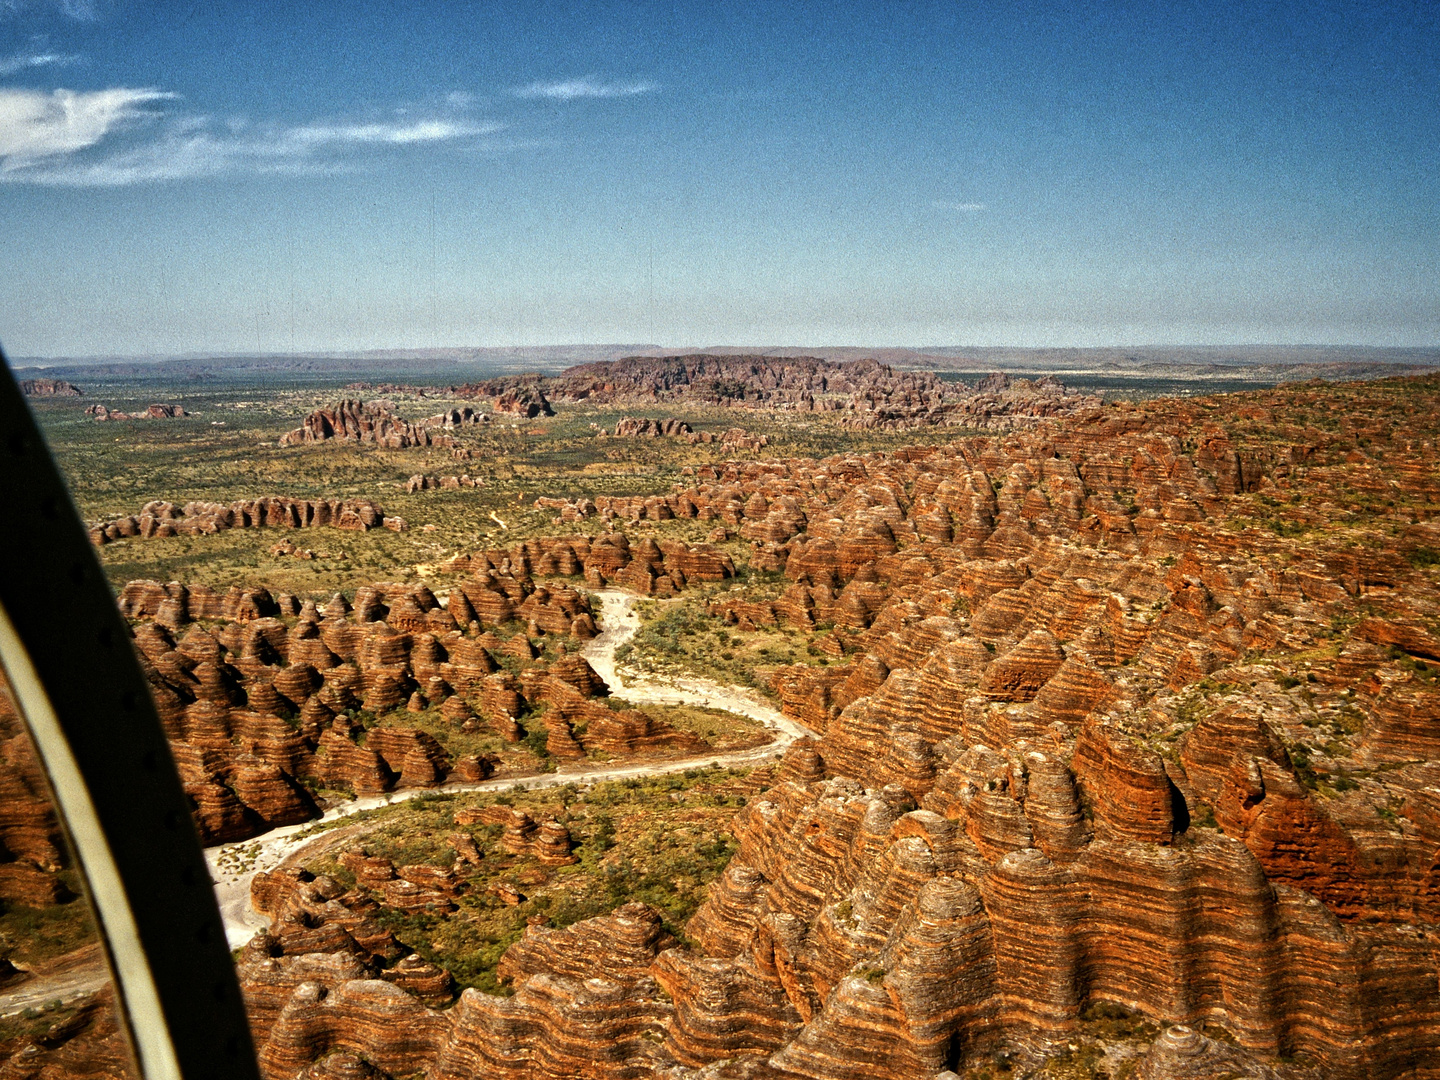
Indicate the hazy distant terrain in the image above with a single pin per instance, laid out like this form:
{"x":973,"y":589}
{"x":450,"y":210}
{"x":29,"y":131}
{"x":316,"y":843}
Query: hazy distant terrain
{"x":409,"y":363}
{"x":1116,"y":372}
{"x":1250,"y":364}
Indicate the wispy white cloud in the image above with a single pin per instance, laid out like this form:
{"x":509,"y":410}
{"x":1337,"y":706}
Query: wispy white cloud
{"x":957,"y":207}
{"x":55,"y":139}
{"x":422,"y":131}
{"x":184,"y":152}
{"x":9,"y":65}
{"x":36,"y":125}
{"x":79,"y":10}
{"x":571,"y":89}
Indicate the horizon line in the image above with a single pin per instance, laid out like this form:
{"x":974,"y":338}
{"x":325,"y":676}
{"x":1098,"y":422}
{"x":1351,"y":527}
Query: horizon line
{"x":747,"y":349}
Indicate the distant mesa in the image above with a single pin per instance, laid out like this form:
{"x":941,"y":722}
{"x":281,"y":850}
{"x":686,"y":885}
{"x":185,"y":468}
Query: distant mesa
{"x":376,"y":422}
{"x":154,"y":412}
{"x":49,"y":388}
{"x":863,"y":393}
{"x":158,"y":518}
{"x":860,"y":393}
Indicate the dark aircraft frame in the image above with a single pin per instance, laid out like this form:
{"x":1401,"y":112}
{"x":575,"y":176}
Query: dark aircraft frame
{"x":68,"y":657}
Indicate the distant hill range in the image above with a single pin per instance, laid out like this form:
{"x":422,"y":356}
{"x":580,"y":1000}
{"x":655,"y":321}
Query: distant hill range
{"x":1258,"y":363}
{"x":865,"y":393}
{"x":411,"y":363}
{"x":1101,"y":367}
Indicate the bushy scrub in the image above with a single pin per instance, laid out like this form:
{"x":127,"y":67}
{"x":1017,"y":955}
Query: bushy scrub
{"x":660,"y":840}
{"x":680,"y":637}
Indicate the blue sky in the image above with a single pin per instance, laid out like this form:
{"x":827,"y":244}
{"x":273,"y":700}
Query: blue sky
{"x":208,"y":177}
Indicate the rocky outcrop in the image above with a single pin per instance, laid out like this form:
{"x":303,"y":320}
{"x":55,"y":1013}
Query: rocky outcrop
{"x":732,"y":440}
{"x":421,"y":482}
{"x":455,"y":417}
{"x":373,"y":1019}
{"x":598,"y":1025}
{"x":32,"y":847}
{"x":49,"y":388}
{"x":269,"y":701}
{"x":546,"y":840}
{"x":28,"y":886}
{"x":578,"y":726}
{"x":86,"y":1042}
{"x":636,"y":427}
{"x":526,"y":401}
{"x":1182,"y":1053}
{"x":1049,"y":703}
{"x":153,"y":412}
{"x":375,"y":422}
{"x":647,"y":567}
{"x":159,"y":518}
{"x":864,"y":393}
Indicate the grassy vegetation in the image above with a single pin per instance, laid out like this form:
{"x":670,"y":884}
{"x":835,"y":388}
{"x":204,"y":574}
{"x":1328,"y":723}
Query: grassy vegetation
{"x":229,"y":450}
{"x":722,"y":730}
{"x":1422,"y":558}
{"x":660,"y":840}
{"x":679,"y":637}
{"x":35,"y":935}
{"x":32,"y":1024}
{"x":521,"y":757}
